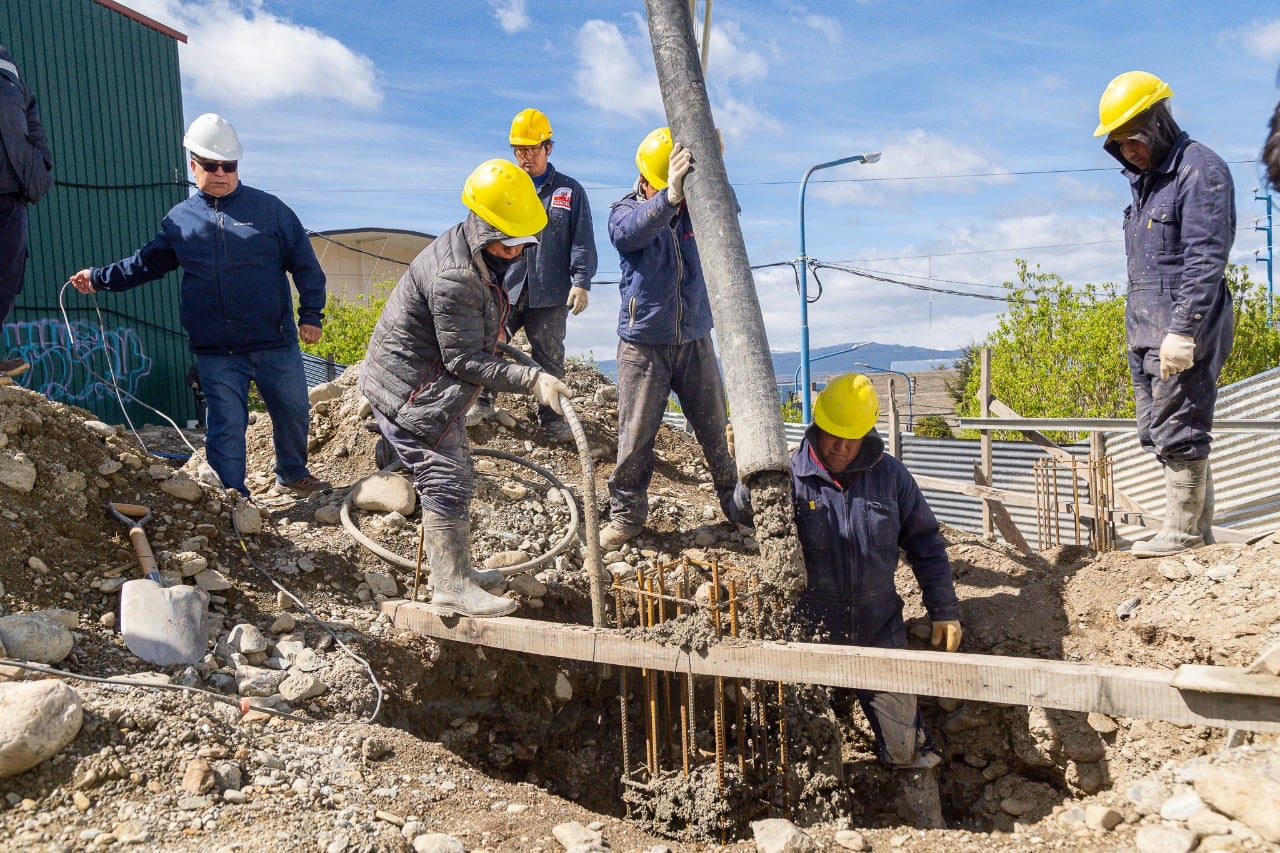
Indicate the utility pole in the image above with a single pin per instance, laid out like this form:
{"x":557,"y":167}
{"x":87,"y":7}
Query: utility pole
{"x":1270,"y":256}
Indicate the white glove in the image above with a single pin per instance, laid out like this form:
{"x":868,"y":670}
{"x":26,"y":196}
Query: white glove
{"x":578,"y":299}
{"x":677,"y":167}
{"x":1177,"y":352}
{"x":548,"y":390}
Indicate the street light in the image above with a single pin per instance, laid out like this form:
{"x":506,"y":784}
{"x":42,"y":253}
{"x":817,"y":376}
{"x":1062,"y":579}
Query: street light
{"x":804,"y":280}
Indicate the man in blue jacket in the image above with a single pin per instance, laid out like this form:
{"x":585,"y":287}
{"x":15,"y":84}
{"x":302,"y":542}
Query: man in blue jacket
{"x":235,"y":245}
{"x":664,"y":332}
{"x":553,"y":276}
{"x":25,"y":176}
{"x":856,"y":509}
{"x":1178,"y":233}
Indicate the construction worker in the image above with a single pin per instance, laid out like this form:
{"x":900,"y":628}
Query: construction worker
{"x":237,"y":247}
{"x":857,"y":508}
{"x":434,"y":348}
{"x":664,"y":336}
{"x":26,"y":165}
{"x":553,"y":276}
{"x":1178,"y":316}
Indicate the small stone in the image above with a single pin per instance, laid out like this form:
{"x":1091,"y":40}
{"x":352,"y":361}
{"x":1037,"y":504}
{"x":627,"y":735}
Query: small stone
{"x":1102,"y":818}
{"x":197,"y":778}
{"x":1174,"y":570}
{"x":283,"y":624}
{"x":1221,"y":573}
{"x":851,"y":840}
{"x":1157,"y":838}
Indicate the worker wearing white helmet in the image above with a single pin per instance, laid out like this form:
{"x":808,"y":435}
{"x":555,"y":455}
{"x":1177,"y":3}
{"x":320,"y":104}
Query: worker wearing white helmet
{"x":238,"y":247}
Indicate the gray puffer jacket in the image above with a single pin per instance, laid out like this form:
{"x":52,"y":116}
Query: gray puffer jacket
{"x":435,"y":343}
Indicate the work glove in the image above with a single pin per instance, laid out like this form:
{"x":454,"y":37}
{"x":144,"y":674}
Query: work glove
{"x":1177,"y":352}
{"x":947,"y":634}
{"x":548,"y":390}
{"x":677,"y":167}
{"x":578,"y":299}
{"x":728,"y":437}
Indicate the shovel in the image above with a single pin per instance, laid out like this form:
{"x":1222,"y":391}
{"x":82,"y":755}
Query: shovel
{"x":161,"y":625}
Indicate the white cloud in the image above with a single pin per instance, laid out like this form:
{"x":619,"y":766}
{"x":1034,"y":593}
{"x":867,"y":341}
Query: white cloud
{"x":616,"y":74}
{"x":825,"y":25}
{"x":611,"y":74}
{"x":917,"y":154}
{"x":511,"y":14}
{"x":237,"y":54}
{"x":1259,"y":39}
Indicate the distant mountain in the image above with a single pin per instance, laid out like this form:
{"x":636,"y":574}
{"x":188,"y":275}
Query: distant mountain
{"x":839,"y":358}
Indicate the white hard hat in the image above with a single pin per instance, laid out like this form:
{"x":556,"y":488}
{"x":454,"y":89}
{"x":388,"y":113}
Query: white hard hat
{"x":212,"y":137}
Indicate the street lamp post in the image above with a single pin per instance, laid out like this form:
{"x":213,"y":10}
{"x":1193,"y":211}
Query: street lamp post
{"x":806,"y":414}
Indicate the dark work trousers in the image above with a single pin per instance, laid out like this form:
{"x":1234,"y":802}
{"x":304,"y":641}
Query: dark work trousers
{"x":646,"y":377}
{"x":443,"y":475}
{"x":545,"y":329}
{"x":13,"y":250}
{"x":1175,"y":415}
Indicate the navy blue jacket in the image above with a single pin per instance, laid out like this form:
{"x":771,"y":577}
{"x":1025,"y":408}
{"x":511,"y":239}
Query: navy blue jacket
{"x":1178,"y":234}
{"x":851,"y":538}
{"x":565,"y":256}
{"x":25,"y":159}
{"x":234,"y":252}
{"x":664,"y":296}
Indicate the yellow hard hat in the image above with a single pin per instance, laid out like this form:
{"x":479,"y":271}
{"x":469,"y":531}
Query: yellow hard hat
{"x":1126,"y":96}
{"x":502,"y":194}
{"x":848,"y":407}
{"x":530,"y":127}
{"x":653,"y":157}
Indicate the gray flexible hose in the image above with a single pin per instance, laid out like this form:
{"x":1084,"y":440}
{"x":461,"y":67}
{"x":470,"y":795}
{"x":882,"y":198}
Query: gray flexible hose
{"x":395,"y":559}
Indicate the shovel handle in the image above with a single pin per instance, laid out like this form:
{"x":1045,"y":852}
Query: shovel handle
{"x":143,"y":548}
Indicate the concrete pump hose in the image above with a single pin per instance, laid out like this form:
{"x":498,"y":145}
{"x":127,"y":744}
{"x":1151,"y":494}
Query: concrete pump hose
{"x":571,"y":532}
{"x":593,"y":563}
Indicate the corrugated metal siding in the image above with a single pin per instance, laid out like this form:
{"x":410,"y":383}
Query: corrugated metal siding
{"x":1244,"y":466}
{"x":317,"y":370}
{"x":110,"y":97}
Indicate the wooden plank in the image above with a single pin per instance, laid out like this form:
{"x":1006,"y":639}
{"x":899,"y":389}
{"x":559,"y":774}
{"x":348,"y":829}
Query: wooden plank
{"x":985,"y":399}
{"x":1112,"y":690}
{"x":1222,"y":679}
{"x":1001,"y":516}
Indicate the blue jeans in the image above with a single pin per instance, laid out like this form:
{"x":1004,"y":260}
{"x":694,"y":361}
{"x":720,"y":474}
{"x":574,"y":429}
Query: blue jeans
{"x":443,"y":475}
{"x":283,"y":386}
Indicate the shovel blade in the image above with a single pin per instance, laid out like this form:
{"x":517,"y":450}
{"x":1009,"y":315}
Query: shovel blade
{"x":164,"y":626}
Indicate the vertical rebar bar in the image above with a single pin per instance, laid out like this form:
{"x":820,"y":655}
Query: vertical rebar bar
{"x":737,"y":682}
{"x":782,"y":749}
{"x":622,"y":689}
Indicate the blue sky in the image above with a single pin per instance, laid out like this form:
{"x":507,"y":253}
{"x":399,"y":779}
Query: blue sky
{"x":373,"y":114}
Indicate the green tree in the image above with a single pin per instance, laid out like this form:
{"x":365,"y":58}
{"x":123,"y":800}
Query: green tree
{"x":348,"y":325}
{"x":1060,"y":352}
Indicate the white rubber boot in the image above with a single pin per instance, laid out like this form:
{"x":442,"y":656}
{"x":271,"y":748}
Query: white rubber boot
{"x":1184,"y":505}
{"x":455,"y":590}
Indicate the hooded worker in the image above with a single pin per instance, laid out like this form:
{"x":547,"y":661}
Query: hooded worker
{"x":434,"y":348}
{"x":856,"y":509}
{"x":1178,"y":234}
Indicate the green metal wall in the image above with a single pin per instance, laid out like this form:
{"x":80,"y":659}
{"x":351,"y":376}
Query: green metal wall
{"x":111,"y":100}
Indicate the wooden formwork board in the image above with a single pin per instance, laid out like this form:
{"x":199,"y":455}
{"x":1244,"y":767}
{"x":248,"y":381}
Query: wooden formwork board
{"x":1210,"y":696}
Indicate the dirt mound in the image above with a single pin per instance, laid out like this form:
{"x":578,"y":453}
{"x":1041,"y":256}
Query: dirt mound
{"x":497,"y":749}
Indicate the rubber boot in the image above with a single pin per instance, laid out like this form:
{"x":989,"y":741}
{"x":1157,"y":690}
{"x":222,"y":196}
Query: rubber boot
{"x":921,"y":797}
{"x":447,"y":542}
{"x":1184,"y":504}
{"x":1205,"y":527}
{"x":487,"y":578}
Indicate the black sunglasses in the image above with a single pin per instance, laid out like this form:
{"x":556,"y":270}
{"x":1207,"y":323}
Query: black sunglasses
{"x":211,"y":166}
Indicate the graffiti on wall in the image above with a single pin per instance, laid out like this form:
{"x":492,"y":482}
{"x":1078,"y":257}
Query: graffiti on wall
{"x":77,"y":366}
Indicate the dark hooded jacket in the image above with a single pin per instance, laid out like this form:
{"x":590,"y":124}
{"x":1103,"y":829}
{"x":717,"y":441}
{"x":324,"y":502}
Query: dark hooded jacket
{"x":852,"y":535}
{"x":435,"y":344}
{"x":1178,"y":230}
{"x":25,"y":159}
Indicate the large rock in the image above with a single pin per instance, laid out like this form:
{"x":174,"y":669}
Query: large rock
{"x":37,"y":719}
{"x":36,"y":637}
{"x":385,"y":492}
{"x":776,"y":835}
{"x":17,"y":471}
{"x":1246,"y":795}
